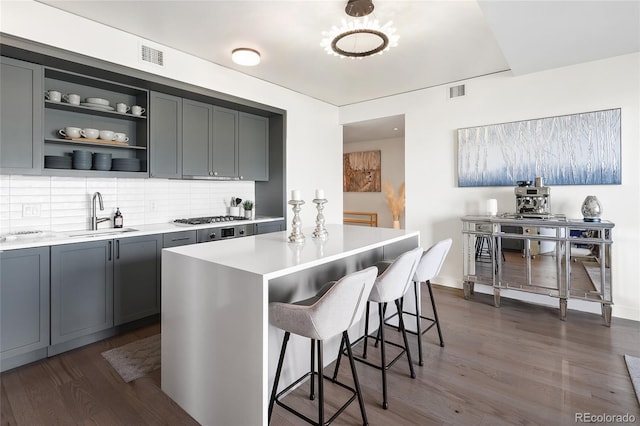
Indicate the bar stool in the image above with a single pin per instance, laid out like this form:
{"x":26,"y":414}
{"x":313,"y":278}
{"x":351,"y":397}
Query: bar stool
{"x":390,"y":286}
{"x":330,"y":312}
{"x":428,"y":268}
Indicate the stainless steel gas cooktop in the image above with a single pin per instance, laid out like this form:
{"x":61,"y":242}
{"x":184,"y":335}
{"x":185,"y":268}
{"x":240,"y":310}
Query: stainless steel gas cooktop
{"x":208,"y":219}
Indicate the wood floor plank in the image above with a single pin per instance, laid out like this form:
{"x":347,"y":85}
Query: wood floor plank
{"x":517,"y":364}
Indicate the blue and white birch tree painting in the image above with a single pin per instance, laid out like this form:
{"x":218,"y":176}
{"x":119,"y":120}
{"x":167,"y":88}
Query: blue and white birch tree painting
{"x":576,"y":149}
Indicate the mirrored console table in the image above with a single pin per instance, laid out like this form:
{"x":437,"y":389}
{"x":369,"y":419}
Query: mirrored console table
{"x":558,"y":257}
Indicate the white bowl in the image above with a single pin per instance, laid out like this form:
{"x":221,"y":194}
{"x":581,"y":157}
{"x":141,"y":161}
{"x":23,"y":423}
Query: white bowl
{"x":98,"y":101}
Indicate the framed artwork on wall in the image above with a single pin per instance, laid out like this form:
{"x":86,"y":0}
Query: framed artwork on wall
{"x":361,"y":172}
{"x":575,"y":149}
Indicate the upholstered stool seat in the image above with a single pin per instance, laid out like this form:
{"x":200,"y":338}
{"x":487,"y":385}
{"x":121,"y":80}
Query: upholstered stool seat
{"x":389,"y":286}
{"x":332,"y":311}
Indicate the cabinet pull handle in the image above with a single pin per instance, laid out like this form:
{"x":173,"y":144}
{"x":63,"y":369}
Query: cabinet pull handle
{"x":109,"y":250}
{"x":117,"y":249}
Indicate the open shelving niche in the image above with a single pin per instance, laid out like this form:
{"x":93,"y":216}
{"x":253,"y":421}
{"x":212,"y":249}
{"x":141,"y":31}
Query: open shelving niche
{"x":58,"y":115}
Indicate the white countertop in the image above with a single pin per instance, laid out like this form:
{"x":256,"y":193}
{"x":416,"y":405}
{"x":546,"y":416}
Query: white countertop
{"x":271,"y":255}
{"x":49,"y":238}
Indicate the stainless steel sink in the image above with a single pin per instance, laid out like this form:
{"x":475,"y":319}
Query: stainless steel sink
{"x":101,"y":232}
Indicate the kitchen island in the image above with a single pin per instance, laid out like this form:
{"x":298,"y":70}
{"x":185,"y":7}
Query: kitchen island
{"x":219,"y":352}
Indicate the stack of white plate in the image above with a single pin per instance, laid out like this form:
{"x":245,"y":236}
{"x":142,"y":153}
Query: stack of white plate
{"x":97,"y":103}
{"x":125,"y":164}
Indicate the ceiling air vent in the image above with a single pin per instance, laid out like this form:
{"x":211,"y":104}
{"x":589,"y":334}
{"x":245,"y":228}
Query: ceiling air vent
{"x":149,"y":54}
{"x":456,"y":91}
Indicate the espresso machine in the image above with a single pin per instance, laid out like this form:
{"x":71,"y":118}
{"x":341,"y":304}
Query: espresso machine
{"x":532,"y":201}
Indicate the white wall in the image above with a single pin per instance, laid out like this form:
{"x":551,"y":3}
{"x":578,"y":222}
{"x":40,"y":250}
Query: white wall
{"x":434,"y":202}
{"x":392,"y":171}
{"x":314,"y":139}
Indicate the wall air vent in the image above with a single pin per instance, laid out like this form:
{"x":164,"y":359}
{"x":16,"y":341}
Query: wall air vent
{"x":149,"y":54}
{"x":456,"y":91}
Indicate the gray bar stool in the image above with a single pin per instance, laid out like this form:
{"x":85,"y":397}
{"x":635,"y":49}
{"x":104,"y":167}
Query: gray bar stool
{"x":429,"y":267}
{"x":330,"y":312}
{"x":390,"y":286}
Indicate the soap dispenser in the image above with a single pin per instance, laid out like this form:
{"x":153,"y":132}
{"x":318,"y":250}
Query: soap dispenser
{"x":118,"y":220}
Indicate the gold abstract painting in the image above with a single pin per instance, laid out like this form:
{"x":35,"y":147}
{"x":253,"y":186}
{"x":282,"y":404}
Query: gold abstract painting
{"x":361,"y":172}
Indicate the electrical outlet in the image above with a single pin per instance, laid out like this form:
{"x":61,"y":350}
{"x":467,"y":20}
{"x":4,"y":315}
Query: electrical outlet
{"x":31,"y":210}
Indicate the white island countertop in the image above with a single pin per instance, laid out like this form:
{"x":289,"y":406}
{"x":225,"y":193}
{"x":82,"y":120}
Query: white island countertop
{"x":219,"y":352}
{"x":271,"y":255}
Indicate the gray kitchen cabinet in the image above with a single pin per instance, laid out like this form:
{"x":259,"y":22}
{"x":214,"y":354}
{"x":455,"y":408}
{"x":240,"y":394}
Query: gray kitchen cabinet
{"x":21,"y":111}
{"x":197,"y":118}
{"x":81,"y":289}
{"x":165,"y":130}
{"x":267,"y":227}
{"x":225,"y":142}
{"x":253,"y":147}
{"x":179,"y":238}
{"x":136,"y":274}
{"x":209,"y":140}
{"x":24,"y":306}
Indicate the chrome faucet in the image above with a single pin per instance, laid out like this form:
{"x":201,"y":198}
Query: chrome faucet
{"x":94,"y":218}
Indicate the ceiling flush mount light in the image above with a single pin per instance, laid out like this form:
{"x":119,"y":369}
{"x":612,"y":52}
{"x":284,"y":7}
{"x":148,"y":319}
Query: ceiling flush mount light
{"x":245,"y":56}
{"x":360,"y":38}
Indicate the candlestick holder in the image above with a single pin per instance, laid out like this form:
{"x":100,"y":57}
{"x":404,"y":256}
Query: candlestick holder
{"x":320,"y":231}
{"x":296,"y":231}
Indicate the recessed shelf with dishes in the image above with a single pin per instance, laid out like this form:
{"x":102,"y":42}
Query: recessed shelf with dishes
{"x":96,"y":111}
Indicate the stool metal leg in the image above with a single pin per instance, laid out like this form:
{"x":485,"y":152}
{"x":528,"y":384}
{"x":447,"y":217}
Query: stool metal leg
{"x":418,"y":331}
{"x":278,"y":371}
{"x":366,"y":332}
{"x":320,"y":385}
{"x":337,"y":367}
{"x":435,"y":313}
{"x":312,"y":394}
{"x":406,"y":342}
{"x":354,"y":373}
{"x":385,"y":403}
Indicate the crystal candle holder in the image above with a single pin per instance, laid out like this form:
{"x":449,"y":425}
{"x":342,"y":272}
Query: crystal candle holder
{"x":296,"y":225}
{"x":320,"y":231}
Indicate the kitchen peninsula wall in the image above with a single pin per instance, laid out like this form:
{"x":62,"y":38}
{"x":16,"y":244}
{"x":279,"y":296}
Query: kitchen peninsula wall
{"x":64,"y":202}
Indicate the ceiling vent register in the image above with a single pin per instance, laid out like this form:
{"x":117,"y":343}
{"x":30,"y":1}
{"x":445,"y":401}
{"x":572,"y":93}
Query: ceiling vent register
{"x":155,"y":56}
{"x":456,"y":91}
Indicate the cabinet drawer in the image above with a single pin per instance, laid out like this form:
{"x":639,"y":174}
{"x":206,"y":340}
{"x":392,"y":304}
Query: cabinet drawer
{"x":180,"y":238}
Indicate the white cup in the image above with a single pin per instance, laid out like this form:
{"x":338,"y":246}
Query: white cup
{"x":90,"y":133}
{"x":106,"y":135}
{"x":72,"y":99}
{"x":122,"y":107}
{"x":70,"y":132}
{"x":137,"y":110}
{"x":53,"y":95}
{"x":120,"y":137}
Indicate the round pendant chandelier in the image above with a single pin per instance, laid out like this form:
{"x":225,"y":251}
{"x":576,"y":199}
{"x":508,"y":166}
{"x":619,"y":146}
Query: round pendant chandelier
{"x":359,"y":38}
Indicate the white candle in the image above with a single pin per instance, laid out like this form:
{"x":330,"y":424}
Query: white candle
{"x":319,"y":194}
{"x":492,"y":207}
{"x":295,"y":195}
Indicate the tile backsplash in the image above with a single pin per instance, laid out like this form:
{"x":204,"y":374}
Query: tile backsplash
{"x":49,"y":203}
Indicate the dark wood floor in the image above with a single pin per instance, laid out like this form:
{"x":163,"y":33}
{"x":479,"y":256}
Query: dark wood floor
{"x":518,"y":364}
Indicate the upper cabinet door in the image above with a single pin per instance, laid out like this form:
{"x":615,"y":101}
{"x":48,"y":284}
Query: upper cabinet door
{"x":253,"y":147}
{"x":196,"y":138}
{"x":225,"y":142}
{"x":165,"y":140}
{"x":21,"y":110}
